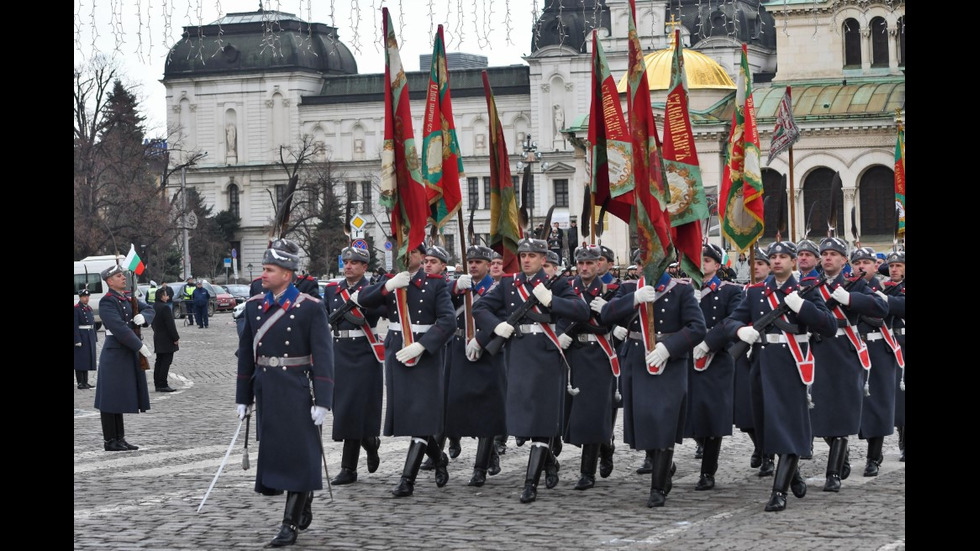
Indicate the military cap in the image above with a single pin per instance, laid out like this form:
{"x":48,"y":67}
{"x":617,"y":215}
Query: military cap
{"x":762,"y":255}
{"x":713,"y":251}
{"x":896,"y":256}
{"x":421,"y":248}
{"x":496,"y":256}
{"x":809,"y":246}
{"x":833,"y":244}
{"x":283,"y":253}
{"x":587,"y":252}
{"x":863,"y":253}
{"x":529,"y":245}
{"x":479,"y":252}
{"x":551,"y":257}
{"x":355,"y":254}
{"x":783,"y":247}
{"x":438,"y":252}
{"x":607,"y":253}
{"x":111,"y":271}
{"x":635,"y":257}
{"x":84,"y":293}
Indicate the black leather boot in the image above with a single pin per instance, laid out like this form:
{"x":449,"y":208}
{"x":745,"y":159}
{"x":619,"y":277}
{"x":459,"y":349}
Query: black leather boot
{"x":798,"y":484}
{"x":555,"y":445}
{"x":699,"y":451}
{"x":484,"y":451}
{"x":348,"y":463}
{"x":430,"y":461}
{"x":835,"y":460}
{"x":590,"y":459}
{"x":455,"y":447}
{"x":535,"y":463}
{"x":606,"y":451}
{"x":121,"y":433}
{"x":874,"y":455}
{"x":494,"y":468}
{"x":901,"y":441}
{"x":306,"y":516}
{"x":768,"y":465}
{"x":406,"y":486}
{"x":662,"y":461}
{"x":551,"y":467}
{"x":439,"y":459}
{"x":709,"y":463}
{"x":295,"y":502}
{"x":756,"y":460}
{"x":371,"y":445}
{"x":500,"y":444}
{"x":845,"y":469}
{"x":111,"y":443}
{"x":647,"y":466}
{"x":781,"y":481}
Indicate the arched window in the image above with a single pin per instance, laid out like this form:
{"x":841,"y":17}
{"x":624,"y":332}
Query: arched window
{"x":879,"y":42}
{"x":234,"y":202}
{"x":852,"y":43}
{"x":877,"y":192}
{"x":773,"y":189}
{"x":816,"y":203}
{"x":901,"y":41}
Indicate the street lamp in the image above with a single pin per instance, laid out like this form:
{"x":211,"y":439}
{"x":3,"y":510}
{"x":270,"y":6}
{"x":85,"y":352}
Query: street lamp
{"x":249,"y":267}
{"x":531,"y":155}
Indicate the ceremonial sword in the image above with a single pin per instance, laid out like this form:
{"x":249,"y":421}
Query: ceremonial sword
{"x":222,"y":466}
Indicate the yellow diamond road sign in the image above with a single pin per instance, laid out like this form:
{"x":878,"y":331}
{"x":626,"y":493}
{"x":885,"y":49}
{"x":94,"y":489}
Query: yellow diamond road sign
{"x":357,"y":222}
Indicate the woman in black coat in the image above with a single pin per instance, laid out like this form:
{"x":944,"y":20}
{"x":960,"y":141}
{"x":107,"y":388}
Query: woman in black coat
{"x":165,"y":338}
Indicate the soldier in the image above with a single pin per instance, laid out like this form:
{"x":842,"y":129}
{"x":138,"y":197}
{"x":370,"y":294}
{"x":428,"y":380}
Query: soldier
{"x":711,"y":385}
{"x":552,"y":264}
{"x":895,"y":292}
{"x":807,"y":260}
{"x":536,"y":373}
{"x":605,"y":276}
{"x":477,"y":382}
{"x":85,"y":339}
{"x":414,"y":370}
{"x":590,"y":352}
{"x":286,"y":369}
{"x":496,"y":272}
{"x":122,"y":384}
{"x":654,"y":383}
{"x":838,"y":390}
{"x":785,"y":365}
{"x":358,"y":372}
{"x":878,"y":409}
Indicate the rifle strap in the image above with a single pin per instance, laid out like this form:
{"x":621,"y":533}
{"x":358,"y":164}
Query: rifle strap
{"x":804,"y":362}
{"x":549,"y":332}
{"x":852,"y":335}
{"x":269,"y":322}
{"x":376,"y":346}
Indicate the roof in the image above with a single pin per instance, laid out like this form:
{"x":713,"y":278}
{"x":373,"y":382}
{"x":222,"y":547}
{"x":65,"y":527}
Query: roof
{"x":701,"y":71}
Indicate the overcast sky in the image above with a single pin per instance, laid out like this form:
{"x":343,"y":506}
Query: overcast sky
{"x":139,"y":34}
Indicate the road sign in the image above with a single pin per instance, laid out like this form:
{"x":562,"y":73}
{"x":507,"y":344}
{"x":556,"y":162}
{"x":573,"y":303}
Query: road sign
{"x":388,"y":245}
{"x":234,"y":253}
{"x":227,"y":263}
{"x":359,"y":244}
{"x":357,"y":223}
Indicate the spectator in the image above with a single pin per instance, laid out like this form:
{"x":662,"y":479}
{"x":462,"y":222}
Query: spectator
{"x":743,"y":272}
{"x":200,"y":299}
{"x":165,"y":338}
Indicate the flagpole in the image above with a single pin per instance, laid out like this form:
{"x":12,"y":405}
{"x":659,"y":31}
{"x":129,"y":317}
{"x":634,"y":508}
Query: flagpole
{"x":792,"y":199}
{"x":469,"y":325}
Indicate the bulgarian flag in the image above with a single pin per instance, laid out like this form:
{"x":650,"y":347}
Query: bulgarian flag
{"x":505,"y":228}
{"x":900,"y":180}
{"x":133,"y":262}
{"x":740,"y":206}
{"x":402,"y":189}
{"x":688,"y":205}
{"x":442,"y":161}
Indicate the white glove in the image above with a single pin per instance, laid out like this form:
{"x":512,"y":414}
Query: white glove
{"x":238,"y":311}
{"x":410,"y":352}
{"x":243,"y":410}
{"x":78,"y":344}
{"x":138,"y":319}
{"x":597,"y":304}
{"x":504,"y":329}
{"x":697,"y":295}
{"x":748,"y":334}
{"x":464,"y":282}
{"x":620,"y":332}
{"x":145,"y":351}
{"x":841,"y":296}
{"x":543,"y":293}
{"x":353,"y":297}
{"x":879,"y":293}
{"x":644,"y":294}
{"x":397,"y":281}
{"x":794,"y":301}
{"x":565,"y":341}
{"x":700,"y":351}
{"x":473,"y":350}
{"x":318,"y":414}
{"x":658,"y":356}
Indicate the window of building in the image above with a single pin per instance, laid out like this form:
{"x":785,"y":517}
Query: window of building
{"x":367,"y":196}
{"x":486,"y":192}
{"x":561,"y":193}
{"x":450,"y":241}
{"x":280,"y":194}
{"x":852,"y":44}
{"x":473,"y":193}
{"x":774,"y":189}
{"x":877,"y":196}
{"x":816,"y":203}
{"x":879,"y":42}
{"x":234,"y":201}
{"x":351,"y":190}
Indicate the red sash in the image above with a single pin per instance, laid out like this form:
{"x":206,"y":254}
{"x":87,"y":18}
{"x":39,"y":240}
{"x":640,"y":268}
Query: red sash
{"x":860,"y":346}
{"x":552,"y":336}
{"x":886,"y":333}
{"x":804,"y":363}
{"x":377,"y":347}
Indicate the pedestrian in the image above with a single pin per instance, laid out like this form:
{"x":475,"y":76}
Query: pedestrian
{"x":286,"y":369}
{"x":571,"y":240}
{"x":537,"y":375}
{"x":188,"y":300}
{"x":358,"y":367}
{"x":556,"y":240}
{"x":742,"y":269}
{"x":200,"y":300}
{"x":785,"y":366}
{"x":414,"y":362}
{"x":654,"y":382}
{"x":165,"y":338}
{"x":122,"y":384}
{"x":85,"y":339}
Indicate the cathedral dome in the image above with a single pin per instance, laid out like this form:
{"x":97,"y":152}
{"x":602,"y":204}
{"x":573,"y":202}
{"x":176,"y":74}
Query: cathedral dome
{"x":702,"y":71}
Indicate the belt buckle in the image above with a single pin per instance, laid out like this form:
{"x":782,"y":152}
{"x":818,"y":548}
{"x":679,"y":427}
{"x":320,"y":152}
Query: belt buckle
{"x":274,"y":361}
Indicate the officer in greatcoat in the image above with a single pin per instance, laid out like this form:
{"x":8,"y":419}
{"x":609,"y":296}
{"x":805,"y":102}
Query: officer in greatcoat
{"x":85,"y":339}
{"x":358,"y":353}
{"x":286,"y":370}
{"x":895,"y":292}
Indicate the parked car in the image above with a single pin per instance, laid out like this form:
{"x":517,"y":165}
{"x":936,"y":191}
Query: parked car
{"x":224,"y":301}
{"x":181,"y":309}
{"x":239,"y":291}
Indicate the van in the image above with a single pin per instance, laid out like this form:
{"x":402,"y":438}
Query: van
{"x":88,"y":276}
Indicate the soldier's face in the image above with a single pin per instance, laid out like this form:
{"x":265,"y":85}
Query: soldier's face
{"x":896,"y":271}
{"x":709,"y":267}
{"x":761,"y":270}
{"x":354,"y":269}
{"x":275,"y":278}
{"x":832,"y":262}
{"x":601,"y":266}
{"x":117,"y":282}
{"x":531,"y":263}
{"x":414,"y":259}
{"x":806,"y":261}
{"x":496,"y":268}
{"x":433,"y":265}
{"x":782,"y":264}
{"x":586,"y":269}
{"x":84,"y":299}
{"x":867,"y":266}
{"x":477,"y":268}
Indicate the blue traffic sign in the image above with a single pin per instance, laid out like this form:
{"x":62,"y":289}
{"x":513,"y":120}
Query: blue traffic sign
{"x":388,"y":245}
{"x":359,"y":244}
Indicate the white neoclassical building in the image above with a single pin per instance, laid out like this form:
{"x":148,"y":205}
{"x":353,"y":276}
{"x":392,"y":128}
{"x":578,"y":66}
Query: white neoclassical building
{"x":844,"y":59}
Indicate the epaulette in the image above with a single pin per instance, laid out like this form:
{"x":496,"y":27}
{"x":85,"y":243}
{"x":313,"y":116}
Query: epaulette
{"x":757,"y":284}
{"x":333,"y":284}
{"x":260,"y":296}
{"x":684,"y":280}
{"x":848,"y":278}
{"x":725,"y":282}
{"x":435,"y":276}
{"x":811,"y":280}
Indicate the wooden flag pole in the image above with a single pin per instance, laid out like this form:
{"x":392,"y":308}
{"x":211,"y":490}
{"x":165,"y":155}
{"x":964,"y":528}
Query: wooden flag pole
{"x":468,"y":324}
{"x":752,"y":262}
{"x":792,"y":199}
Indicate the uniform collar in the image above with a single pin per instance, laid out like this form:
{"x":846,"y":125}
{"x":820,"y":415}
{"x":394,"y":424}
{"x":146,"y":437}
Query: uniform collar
{"x":712,"y":283}
{"x":663,"y":281}
{"x":541,"y":276}
{"x":285,"y":302}
{"x":482,"y":286}
{"x":788,"y":287}
{"x":607,"y":278}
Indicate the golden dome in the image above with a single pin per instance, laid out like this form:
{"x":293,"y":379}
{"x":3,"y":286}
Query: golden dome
{"x":701,"y":71}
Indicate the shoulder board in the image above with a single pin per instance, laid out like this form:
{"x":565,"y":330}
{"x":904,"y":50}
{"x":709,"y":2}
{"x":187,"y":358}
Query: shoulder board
{"x":849,"y":278}
{"x":810,"y":280}
{"x":312,"y":298}
{"x":333,"y":284}
{"x":759,"y":284}
{"x":260,"y":296}
{"x":435,"y":276}
{"x":725,"y":283}
{"x":683,"y":280}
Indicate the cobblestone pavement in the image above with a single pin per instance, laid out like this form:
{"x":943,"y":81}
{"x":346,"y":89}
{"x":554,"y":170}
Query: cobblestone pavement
{"x":148,"y":499}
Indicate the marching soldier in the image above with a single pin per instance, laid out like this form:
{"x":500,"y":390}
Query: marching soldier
{"x":711,"y":385}
{"x":895,"y":293}
{"x":414,"y":363}
{"x":358,"y":367}
{"x":286,"y":369}
{"x":85,"y":339}
{"x":785,"y":365}
{"x":477,"y":381}
{"x":654,"y":383}
{"x":496,"y":272}
{"x":607,"y":449}
{"x":536,"y":371}
{"x":838,"y":390}
{"x":807,"y":260}
{"x":887,"y":357}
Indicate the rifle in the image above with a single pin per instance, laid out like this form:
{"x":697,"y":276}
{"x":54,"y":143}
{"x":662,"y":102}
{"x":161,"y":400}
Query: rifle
{"x":344,"y":313}
{"x":497,"y":342}
{"x":768,"y":319}
{"x":893,"y":289}
{"x":135,"y":303}
{"x":576,"y":326}
{"x":847,"y":287}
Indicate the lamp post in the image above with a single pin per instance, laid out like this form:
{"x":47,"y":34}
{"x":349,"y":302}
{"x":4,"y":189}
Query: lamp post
{"x":530,"y":156}
{"x":249,"y":268}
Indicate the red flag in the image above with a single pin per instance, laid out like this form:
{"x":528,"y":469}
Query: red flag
{"x":505,"y":229}
{"x":609,"y":139}
{"x":900,"y":181}
{"x":442,"y":162}
{"x":651,"y":217}
{"x":402,"y":190}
